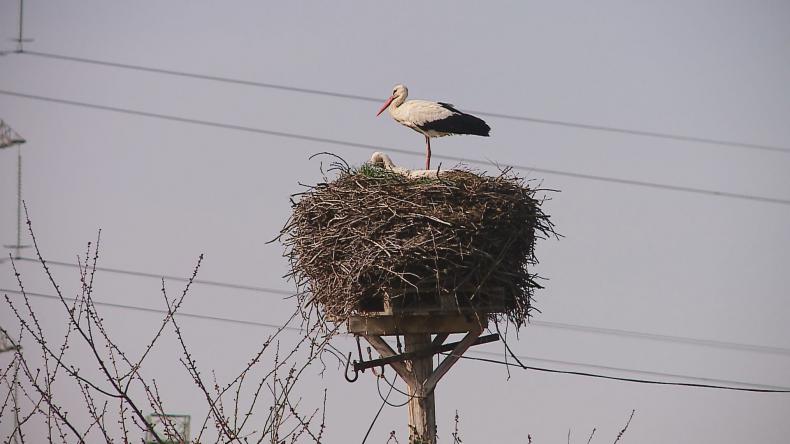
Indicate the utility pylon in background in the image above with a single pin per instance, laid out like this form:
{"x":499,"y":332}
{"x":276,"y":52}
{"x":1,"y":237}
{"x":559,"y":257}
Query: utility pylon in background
{"x":21,"y":40}
{"x":9,"y":138}
{"x":174,"y":427}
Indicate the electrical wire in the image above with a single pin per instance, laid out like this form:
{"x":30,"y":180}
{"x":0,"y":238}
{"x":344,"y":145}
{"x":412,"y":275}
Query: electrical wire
{"x":349,"y":144}
{"x":159,"y":311}
{"x":663,"y":338}
{"x":498,"y":115}
{"x":392,"y":387}
{"x":616,"y":378}
{"x":607,"y":368}
{"x":314,"y":91}
{"x":375,"y":418}
{"x":660,"y":374}
{"x":536,"y":323}
{"x":760,"y":388}
{"x":170,"y":277}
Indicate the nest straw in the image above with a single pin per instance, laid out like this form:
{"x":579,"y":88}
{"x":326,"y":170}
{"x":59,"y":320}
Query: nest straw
{"x":372,"y":233}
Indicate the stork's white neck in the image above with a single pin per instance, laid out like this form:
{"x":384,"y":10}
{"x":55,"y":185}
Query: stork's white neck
{"x":395,"y":109}
{"x":397,"y":101}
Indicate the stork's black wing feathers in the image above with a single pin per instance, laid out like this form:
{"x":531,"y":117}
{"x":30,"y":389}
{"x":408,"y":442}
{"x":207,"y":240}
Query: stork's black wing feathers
{"x":450,"y":107}
{"x":458,"y":123}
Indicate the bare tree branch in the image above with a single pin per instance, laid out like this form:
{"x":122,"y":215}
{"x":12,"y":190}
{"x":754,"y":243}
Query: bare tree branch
{"x":108,"y":398}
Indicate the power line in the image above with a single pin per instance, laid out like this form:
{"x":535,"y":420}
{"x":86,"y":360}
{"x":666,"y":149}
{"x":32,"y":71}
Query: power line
{"x":664,"y":338}
{"x":535,"y":120}
{"x":344,"y":143}
{"x":206,"y":77}
{"x":745,"y":386}
{"x":170,"y":277}
{"x":159,"y":311}
{"x":314,"y":91}
{"x":536,"y":323}
{"x":656,"y":374}
{"x":755,"y":387}
{"x":385,"y":401}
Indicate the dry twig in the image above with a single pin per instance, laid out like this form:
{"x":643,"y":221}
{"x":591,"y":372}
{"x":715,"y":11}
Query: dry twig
{"x":620,"y":435}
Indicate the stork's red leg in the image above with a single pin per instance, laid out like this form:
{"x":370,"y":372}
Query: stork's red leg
{"x":428,"y":154}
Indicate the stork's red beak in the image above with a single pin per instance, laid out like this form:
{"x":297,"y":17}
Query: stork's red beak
{"x":386,"y":104}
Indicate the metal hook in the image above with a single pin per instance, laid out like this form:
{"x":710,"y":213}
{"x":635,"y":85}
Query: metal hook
{"x":356,"y":373}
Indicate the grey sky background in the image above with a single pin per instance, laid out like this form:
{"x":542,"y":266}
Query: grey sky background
{"x":633,"y":258}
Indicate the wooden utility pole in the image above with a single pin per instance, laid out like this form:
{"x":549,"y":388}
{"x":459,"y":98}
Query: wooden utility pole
{"x":422,"y":406}
{"x":415,"y":365}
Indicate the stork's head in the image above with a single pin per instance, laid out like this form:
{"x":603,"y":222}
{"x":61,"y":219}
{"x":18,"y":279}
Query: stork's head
{"x":399,"y":93}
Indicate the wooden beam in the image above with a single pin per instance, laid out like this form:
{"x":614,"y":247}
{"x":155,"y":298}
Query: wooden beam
{"x":386,"y":351}
{"x":448,"y":362}
{"x":402,"y":325}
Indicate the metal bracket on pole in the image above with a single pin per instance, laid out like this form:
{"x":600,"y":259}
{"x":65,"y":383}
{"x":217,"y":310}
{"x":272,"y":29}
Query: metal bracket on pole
{"x":437,"y":347}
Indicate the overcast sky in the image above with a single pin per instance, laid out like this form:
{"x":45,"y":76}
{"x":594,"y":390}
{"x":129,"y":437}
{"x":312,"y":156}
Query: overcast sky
{"x":636,"y":258}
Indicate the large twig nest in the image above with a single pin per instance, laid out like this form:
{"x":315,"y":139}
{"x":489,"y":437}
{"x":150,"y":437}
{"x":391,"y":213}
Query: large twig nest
{"x":372,"y":234}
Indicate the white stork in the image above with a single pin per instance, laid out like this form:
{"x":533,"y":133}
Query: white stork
{"x":431,"y":119}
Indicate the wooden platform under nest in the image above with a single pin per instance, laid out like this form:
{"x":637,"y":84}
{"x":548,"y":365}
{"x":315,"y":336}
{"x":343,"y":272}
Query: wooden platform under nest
{"x":427,"y":312}
{"x":384,"y":325}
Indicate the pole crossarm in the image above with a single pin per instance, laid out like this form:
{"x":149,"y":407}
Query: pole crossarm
{"x":436,"y":347}
{"x":9,"y":137}
{"x":423,"y":386}
{"x":415,"y":368}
